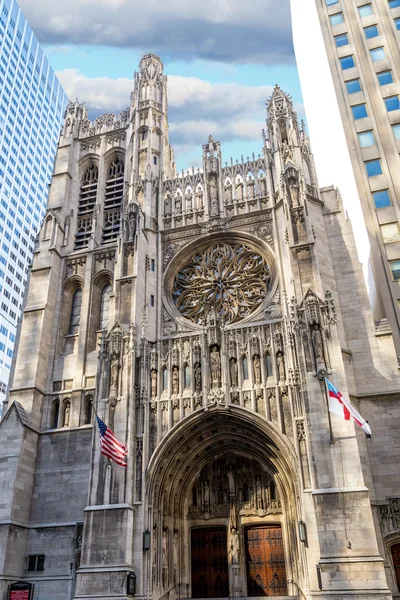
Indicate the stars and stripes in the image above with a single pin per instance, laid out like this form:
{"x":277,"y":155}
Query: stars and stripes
{"x":110,"y":446}
{"x":341,"y":406}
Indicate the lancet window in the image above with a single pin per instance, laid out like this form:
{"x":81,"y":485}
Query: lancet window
{"x":75,"y":312}
{"x":86,"y":204}
{"x":105,"y":306}
{"x":113,"y":200}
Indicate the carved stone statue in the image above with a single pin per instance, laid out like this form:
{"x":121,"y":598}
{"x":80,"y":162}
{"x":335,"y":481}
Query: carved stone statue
{"x":188,"y":198}
{"x":114,"y":370}
{"x":263,"y":186}
{"x":197,"y":378}
{"x":175,"y":380}
{"x":67,"y":411}
{"x":239,"y":191}
{"x":234,"y":546}
{"x":131,"y":221}
{"x":167,"y":205}
{"x":211,"y":148}
{"x":281,"y":365}
{"x":250,"y":187}
{"x":257,"y":369}
{"x":178,"y":204}
{"x":259,"y":493}
{"x":231,"y":482}
{"x":228,"y":193}
{"x":199,"y":199}
{"x":206,"y":497}
{"x":233,"y":368}
{"x":153,"y":383}
{"x":214,"y":207}
{"x":165,"y":548}
{"x":215,"y":360}
{"x":318,"y":348}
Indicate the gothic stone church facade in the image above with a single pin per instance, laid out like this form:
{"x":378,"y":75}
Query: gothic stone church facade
{"x":197,"y":314}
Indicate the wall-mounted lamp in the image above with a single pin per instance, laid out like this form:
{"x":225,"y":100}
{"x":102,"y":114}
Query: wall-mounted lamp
{"x":146,"y":540}
{"x":131,"y":584}
{"x":302,"y":532}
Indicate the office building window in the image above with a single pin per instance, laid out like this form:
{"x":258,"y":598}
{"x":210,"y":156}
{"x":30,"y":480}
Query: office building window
{"x":373,"y":167}
{"x":330,"y":2}
{"x":392,"y":103}
{"x":341,"y":40}
{"x":347,"y":62}
{"x":390,"y":233}
{"x":371,"y":31}
{"x":336,"y":19}
{"x":394,"y":3}
{"x":385,"y":77}
{"x":353,"y":86}
{"x":377,"y":54}
{"x":365,"y":10}
{"x":395,"y":269}
{"x":359,"y":111}
{"x":396,"y":131}
{"x":366,"y":138}
{"x":382,"y":199}
{"x":397,"y":22}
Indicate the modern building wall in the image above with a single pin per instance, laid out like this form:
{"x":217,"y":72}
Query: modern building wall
{"x":354,"y":49}
{"x":32,"y":104}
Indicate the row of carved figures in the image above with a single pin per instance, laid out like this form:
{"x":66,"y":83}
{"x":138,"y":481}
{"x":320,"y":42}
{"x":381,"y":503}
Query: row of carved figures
{"x":215,"y":372}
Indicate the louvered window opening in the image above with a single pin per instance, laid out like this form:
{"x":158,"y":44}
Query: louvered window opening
{"x":87,"y":202}
{"x":113,"y":201}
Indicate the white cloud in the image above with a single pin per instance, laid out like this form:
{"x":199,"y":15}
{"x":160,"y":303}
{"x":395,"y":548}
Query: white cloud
{"x":224,"y":30}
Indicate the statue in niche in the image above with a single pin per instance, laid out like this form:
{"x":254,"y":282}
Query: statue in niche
{"x":239,"y":191}
{"x":114,"y":370}
{"x":188,"y":198}
{"x":206,"y":497}
{"x":228,"y":193}
{"x":231,"y":482}
{"x":176,"y":549}
{"x":167,"y":205}
{"x":257,"y":369}
{"x":153,"y":383}
{"x":233,"y":368}
{"x":175,"y":380}
{"x":211,"y":148}
{"x":259,"y":493}
{"x":199,"y":198}
{"x":250,"y":187}
{"x":67,"y":412}
{"x":215,"y":367}
{"x":281,"y":365}
{"x":131,"y":221}
{"x":234,"y":546}
{"x":197,"y":378}
{"x":263,"y":186}
{"x":213,"y":197}
{"x":318,"y":348}
{"x":178,"y":204}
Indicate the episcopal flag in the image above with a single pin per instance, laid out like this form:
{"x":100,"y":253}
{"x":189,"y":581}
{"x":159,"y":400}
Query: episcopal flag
{"x":110,"y":446}
{"x":342,"y":407}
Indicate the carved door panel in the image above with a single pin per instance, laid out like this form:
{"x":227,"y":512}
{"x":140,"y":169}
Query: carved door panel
{"x":265,"y":561}
{"x":209,"y":563}
{"x":396,"y":562}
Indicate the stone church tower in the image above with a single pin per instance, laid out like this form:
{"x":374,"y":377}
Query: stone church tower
{"x":197,"y":314}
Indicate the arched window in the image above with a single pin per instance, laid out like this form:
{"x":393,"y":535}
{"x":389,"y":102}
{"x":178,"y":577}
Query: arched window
{"x":67,"y":413}
{"x":245,"y":367}
{"x":105,"y":306}
{"x":113,"y":199}
{"x":165,"y":380}
{"x":86,"y":204}
{"x":186,"y":375}
{"x":47,"y":227}
{"x":75,"y":312}
{"x":245,"y":492}
{"x":88,"y":410}
{"x":55,"y":414}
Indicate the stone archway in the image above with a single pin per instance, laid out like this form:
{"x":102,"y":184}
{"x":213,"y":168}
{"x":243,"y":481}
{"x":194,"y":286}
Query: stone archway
{"x":223,"y":471}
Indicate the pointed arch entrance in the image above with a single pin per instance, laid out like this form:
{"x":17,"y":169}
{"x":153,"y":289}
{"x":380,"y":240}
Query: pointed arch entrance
{"x":223,"y":509}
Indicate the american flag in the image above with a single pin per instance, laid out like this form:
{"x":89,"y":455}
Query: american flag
{"x":110,"y":446}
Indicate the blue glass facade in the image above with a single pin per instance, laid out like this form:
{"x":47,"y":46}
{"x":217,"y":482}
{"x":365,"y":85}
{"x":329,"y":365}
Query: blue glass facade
{"x":32,"y":104}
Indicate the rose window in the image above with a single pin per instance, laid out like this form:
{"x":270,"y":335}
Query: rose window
{"x":230,"y":279}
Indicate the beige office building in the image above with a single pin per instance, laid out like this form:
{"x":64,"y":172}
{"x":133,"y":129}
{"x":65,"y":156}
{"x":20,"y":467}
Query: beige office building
{"x":362,"y":44}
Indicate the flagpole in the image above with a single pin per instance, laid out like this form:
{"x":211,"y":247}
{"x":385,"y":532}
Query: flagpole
{"x":331,"y":438}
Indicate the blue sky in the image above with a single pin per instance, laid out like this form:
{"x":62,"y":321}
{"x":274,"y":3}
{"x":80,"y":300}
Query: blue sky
{"x":222,"y":61}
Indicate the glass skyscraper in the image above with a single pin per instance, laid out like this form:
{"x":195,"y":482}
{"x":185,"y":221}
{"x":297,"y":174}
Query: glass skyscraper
{"x":32,"y":103}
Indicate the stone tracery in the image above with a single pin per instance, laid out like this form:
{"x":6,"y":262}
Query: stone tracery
{"x":230,"y":279}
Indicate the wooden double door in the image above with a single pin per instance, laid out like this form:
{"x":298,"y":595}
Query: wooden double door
{"x":264,"y":555}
